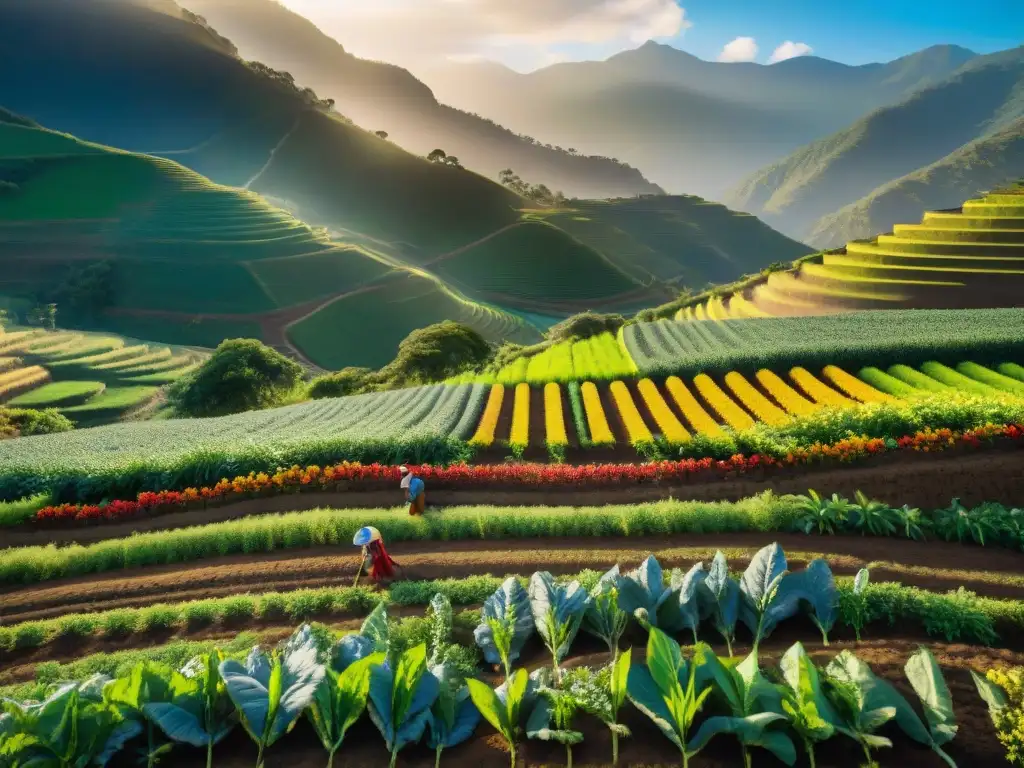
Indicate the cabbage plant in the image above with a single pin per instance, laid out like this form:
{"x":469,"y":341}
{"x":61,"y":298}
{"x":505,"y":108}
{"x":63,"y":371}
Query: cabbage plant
{"x":453,"y":715}
{"x":502,"y":707}
{"x":271,"y":691}
{"x":643,"y":595}
{"x":724,"y":595}
{"x":339,"y":701}
{"x":603,"y":618}
{"x":558,"y":611}
{"x":809,"y":711}
{"x":373,"y":637}
{"x":401,"y":694}
{"x":602,"y":694}
{"x":506,"y":623}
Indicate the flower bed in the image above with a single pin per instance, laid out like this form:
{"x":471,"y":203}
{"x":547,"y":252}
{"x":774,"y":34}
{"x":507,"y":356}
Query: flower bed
{"x":355,"y":476}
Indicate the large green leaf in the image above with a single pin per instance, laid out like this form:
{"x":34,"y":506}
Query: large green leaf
{"x":763,"y":574}
{"x":510,"y":606}
{"x":603,"y":617}
{"x":926,"y":678}
{"x":557,"y":610}
{"x":749,"y":730}
{"x":400,"y":699}
{"x":453,"y":716}
{"x":993,"y":695}
{"x":491,"y":707}
{"x":802,"y":677}
{"x":649,"y":699}
{"x":340,"y":699}
{"x":690,"y":606}
{"x":725,"y":591}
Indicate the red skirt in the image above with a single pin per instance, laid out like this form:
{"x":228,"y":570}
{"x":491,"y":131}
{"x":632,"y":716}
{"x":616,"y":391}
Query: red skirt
{"x":382,"y":566}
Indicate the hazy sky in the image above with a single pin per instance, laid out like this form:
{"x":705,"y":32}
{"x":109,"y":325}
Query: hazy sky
{"x":527,"y":34}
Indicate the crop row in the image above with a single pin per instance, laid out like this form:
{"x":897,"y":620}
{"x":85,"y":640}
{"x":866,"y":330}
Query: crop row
{"x":411,"y":689}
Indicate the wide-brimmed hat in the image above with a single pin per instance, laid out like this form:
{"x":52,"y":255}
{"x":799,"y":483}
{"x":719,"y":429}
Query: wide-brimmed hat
{"x":403,"y":469}
{"x":365,"y":535}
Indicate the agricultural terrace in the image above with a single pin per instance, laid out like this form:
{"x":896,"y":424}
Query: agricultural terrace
{"x":973,"y":257}
{"x":564,"y":586}
{"x":90,"y":378}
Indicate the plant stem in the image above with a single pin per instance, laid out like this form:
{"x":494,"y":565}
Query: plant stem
{"x":209,"y":754}
{"x":615,"y":748}
{"x":149,"y":739}
{"x":512,"y":752}
{"x":568,"y":756}
{"x":259,"y":757}
{"x":394,"y":756}
{"x":437,"y":756}
{"x":809,"y":747}
{"x":747,"y":761}
{"x":330,"y":759}
{"x":728,"y":644}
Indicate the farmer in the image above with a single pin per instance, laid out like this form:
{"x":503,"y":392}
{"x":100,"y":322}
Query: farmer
{"x":374,"y":554}
{"x":414,"y":491}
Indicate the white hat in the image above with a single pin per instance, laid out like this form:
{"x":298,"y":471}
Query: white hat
{"x":403,"y":469}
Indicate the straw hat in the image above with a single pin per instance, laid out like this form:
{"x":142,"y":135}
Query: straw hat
{"x":365,"y":535}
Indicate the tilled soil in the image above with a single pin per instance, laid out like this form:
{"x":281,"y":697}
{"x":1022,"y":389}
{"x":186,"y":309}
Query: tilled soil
{"x":923,"y":480}
{"x":932,"y":565}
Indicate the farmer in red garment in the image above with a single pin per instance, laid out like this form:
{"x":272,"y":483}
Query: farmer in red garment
{"x":381,"y":565}
{"x":415,"y":492}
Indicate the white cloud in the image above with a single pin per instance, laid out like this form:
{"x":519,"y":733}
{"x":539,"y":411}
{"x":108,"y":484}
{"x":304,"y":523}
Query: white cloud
{"x":407,"y":31}
{"x":740,"y":49}
{"x":790,"y":50}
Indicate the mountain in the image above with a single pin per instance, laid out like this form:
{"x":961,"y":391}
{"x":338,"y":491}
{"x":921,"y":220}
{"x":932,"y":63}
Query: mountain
{"x":690,"y":124}
{"x":983,"y":98}
{"x":984,"y":164}
{"x":381,"y":96}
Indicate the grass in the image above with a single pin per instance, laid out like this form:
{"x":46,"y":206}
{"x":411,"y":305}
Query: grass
{"x":21,"y":511}
{"x":113,"y":403}
{"x":59,"y":394}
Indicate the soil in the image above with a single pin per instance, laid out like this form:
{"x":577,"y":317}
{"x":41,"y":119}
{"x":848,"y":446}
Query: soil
{"x":922,"y":480}
{"x":929,"y":565}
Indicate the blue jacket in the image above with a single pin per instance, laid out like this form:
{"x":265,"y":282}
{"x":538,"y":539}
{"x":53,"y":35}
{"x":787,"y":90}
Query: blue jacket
{"x":415,"y":488}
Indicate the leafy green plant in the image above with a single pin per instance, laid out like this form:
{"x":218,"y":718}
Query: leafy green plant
{"x":558,"y":611}
{"x":872,"y":517}
{"x":759,"y":588}
{"x":149,"y":684}
{"x":270,"y":691}
{"x":826,"y":516}
{"x":859,"y":602}
{"x":666,"y":691}
{"x":602,"y":694}
{"x":724,"y":591}
{"x":401,"y":694}
{"x":913,"y":522}
{"x":374,"y":636}
{"x":926,"y":679}
{"x":814,"y":587}
{"x":1003,"y":691}
{"x":551,"y":717}
{"x":603,"y":617}
{"x":340,"y":700}
{"x":201,"y":715}
{"x":506,"y":622}
{"x":957,"y":523}
{"x":693,"y":603}
{"x":753,"y":705}
{"x":643,"y":595}
{"x":453,"y":715}
{"x":502,"y":711}
{"x":848,"y":687}
{"x":809,"y":711}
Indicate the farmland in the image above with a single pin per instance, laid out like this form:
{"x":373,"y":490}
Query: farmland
{"x":971,"y":257}
{"x":90,"y":378}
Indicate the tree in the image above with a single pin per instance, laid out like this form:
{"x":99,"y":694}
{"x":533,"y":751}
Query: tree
{"x":381,"y":135}
{"x":437,"y":352}
{"x":585,"y":325}
{"x":5,"y":318}
{"x":44,"y":316}
{"x":437,"y":156}
{"x":453,"y":161}
{"x":241,"y":375}
{"x":506,"y":176}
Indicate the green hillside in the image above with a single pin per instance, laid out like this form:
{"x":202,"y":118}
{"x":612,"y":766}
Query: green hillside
{"x":984,"y":164}
{"x":382,"y":96}
{"x":983,"y":98}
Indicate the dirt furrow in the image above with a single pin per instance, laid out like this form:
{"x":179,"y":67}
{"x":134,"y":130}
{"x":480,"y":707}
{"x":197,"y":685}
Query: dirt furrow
{"x":933,"y":565}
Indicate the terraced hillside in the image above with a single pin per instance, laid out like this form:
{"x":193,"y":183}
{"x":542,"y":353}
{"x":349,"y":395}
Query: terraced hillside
{"x":90,"y":378}
{"x":187,"y":261}
{"x":970,"y":257}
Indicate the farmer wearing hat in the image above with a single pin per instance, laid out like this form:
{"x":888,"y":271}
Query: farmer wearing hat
{"x":381,"y":564}
{"x":414,"y":491}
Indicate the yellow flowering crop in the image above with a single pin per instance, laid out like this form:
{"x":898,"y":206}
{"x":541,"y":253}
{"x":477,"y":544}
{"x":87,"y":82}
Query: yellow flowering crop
{"x":724,"y":405}
{"x":520,"y":434}
{"x":600,"y":432}
{"x":694,"y":412}
{"x":21,"y":378}
{"x":489,"y":421}
{"x":636,"y":430}
{"x":757,"y":403}
{"x":854,"y":387}
{"x":785,"y":395}
{"x":671,"y":429}
{"x":554,"y":419}
{"x":1009,"y":721}
{"x":820,"y":392}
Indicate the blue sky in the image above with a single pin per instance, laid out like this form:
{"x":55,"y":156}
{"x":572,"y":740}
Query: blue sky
{"x":527,"y":34}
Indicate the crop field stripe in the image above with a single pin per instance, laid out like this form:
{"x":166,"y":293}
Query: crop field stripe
{"x":727,"y":408}
{"x":670,"y":427}
{"x":471,"y":413}
{"x":759,"y":405}
{"x":579,"y":414}
{"x":854,"y":387}
{"x":992,"y":378}
{"x":484,"y":435}
{"x":917,"y":379}
{"x":888,"y":384}
{"x":636,"y":430}
{"x":597,"y":420}
{"x":820,"y":392}
{"x":519,"y":434}
{"x":700,"y":420}
{"x":1012,"y":370}
{"x":554,"y":418}
{"x":956,"y":380}
{"x":791,"y":400}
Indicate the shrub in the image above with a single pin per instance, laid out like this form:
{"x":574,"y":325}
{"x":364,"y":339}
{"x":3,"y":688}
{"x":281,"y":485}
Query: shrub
{"x":241,"y":375}
{"x":585,"y":325}
{"x":347,"y":381}
{"x":435,"y":353}
{"x":23,"y":422}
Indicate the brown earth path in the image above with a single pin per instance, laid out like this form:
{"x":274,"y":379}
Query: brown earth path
{"x":932,"y":565}
{"x":927,"y":481}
